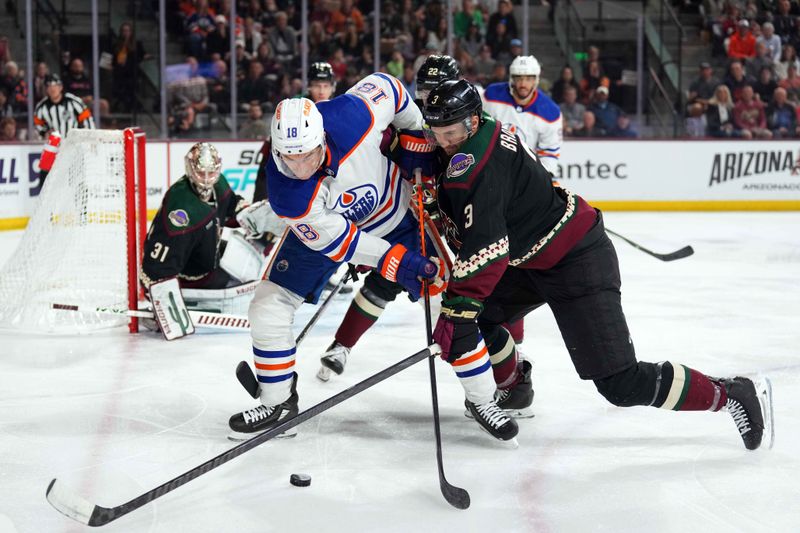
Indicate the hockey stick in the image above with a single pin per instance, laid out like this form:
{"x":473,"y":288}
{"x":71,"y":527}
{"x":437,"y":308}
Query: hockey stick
{"x":243,"y":372}
{"x":78,"y":508}
{"x":199,"y":318}
{"x":686,"y":251}
{"x":455,"y":496}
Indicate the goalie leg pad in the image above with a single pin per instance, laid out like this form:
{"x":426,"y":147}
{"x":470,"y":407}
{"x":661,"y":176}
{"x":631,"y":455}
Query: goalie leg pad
{"x":170,"y":310}
{"x":271,"y":317}
{"x":241,"y":259}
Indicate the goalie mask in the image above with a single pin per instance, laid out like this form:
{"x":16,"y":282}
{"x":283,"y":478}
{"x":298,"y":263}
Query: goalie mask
{"x":203,"y":168}
{"x":298,"y":138}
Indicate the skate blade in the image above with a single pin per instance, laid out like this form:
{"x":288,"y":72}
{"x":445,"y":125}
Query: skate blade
{"x":764,"y":392}
{"x":324,"y":373}
{"x":527,"y":412}
{"x":237,"y":436}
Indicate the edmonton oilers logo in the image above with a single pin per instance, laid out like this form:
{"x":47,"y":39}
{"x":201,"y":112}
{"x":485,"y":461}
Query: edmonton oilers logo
{"x":459,"y":164}
{"x":357,"y":203}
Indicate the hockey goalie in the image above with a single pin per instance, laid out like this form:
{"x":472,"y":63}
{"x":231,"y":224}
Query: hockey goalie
{"x":186,"y":263}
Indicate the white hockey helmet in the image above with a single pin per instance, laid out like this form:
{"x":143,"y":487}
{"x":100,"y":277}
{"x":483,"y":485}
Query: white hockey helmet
{"x":203,"y":168}
{"x":524,"y":66}
{"x":296,"y":129}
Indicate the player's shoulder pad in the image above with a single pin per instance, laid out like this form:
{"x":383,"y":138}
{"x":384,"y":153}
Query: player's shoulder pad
{"x":182,"y":210}
{"x":499,"y":93}
{"x":290,"y":198}
{"x":380,"y":89}
{"x":544,"y":106}
{"x":347,"y":119}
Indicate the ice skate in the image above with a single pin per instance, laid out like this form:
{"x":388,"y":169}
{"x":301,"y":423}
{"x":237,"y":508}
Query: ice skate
{"x":249,"y":423}
{"x":750,"y":405}
{"x":333,"y":360}
{"x":516,"y":401}
{"x":493,"y":420}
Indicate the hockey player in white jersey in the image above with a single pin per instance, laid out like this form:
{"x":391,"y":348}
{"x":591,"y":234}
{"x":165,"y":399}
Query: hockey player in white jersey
{"x":532,"y":115}
{"x":344,"y":201}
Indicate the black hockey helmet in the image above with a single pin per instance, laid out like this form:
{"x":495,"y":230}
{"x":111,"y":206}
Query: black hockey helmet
{"x":320,"y":71}
{"x":450,"y":102}
{"x":51,"y":79}
{"x":436,"y":69}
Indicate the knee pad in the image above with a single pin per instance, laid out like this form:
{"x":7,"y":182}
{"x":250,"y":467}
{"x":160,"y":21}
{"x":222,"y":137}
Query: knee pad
{"x":271,"y":316}
{"x":635,"y":385}
{"x":379,"y":290}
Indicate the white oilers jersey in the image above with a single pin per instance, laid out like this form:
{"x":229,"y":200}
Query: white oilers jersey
{"x":538,"y":124}
{"x":358,"y":195}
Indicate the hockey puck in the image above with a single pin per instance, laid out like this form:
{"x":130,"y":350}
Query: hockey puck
{"x":300,"y":480}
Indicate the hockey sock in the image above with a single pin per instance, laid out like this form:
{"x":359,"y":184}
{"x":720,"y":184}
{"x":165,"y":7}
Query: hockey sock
{"x":472,"y":370}
{"x":361,"y":315}
{"x":274,"y":369}
{"x":503,"y":354}
{"x":517,"y":330}
{"x":681,"y":388}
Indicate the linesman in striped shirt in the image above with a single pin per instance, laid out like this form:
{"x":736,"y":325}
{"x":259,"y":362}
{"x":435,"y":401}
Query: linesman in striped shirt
{"x":60,"y":111}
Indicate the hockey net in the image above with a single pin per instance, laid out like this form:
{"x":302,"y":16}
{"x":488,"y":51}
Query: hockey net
{"x":83,"y":242}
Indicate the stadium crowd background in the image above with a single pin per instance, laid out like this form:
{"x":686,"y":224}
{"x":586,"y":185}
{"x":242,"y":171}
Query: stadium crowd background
{"x":750,"y":87}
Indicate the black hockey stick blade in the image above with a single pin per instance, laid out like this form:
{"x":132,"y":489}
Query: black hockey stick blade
{"x":247,"y":379}
{"x":81,"y":510}
{"x":686,"y":251}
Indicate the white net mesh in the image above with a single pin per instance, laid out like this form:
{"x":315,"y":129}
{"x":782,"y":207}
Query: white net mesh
{"x":74,"y":249}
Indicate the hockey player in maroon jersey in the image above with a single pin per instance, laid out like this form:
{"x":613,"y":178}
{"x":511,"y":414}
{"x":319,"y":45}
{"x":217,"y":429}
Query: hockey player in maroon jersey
{"x":521,"y":242}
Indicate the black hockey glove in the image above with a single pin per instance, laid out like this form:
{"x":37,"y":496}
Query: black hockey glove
{"x":457,"y":328}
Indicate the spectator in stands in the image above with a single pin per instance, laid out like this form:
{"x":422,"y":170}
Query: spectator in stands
{"x":351,"y":41}
{"x":192,"y":93}
{"x":466,"y":17}
{"x":409,"y":79}
{"x":515,"y":49}
{"x":219,"y":91}
{"x":765,"y":86}
{"x":15,"y":86}
{"x":622,"y":128}
{"x":243,"y":60}
{"x":254,"y":87}
{"x":702,"y":88}
{"x":41,"y":72}
{"x":181,"y":121}
{"x":742,"y":43}
{"x":604,"y":111}
{"x":8,"y":129}
{"x":218,"y":39}
{"x":346,"y":12}
{"x":696,"y":121}
{"x":78,"y":83}
{"x":128,"y":53}
{"x":255,"y":127}
{"x":749,"y":116}
{"x":782,"y":116}
{"x":772,"y":41}
{"x":501,"y":45}
{"x":283,"y":39}
{"x":437,"y":39}
{"x":783,"y":21}
{"x":198,"y":26}
{"x":788,"y":58}
{"x":719,"y":114}
{"x":737,"y":78}
{"x":473,"y":41}
{"x":5,"y":51}
{"x":504,"y":15}
{"x":6,"y":110}
{"x":566,"y":80}
{"x":572,"y":112}
{"x":395,"y":65}
{"x":590,"y":127}
{"x":792,"y":84}
{"x":484,"y":65}
{"x":591,"y":81}
{"x":252,"y":35}
{"x":499,"y":73}
{"x":761,"y":59}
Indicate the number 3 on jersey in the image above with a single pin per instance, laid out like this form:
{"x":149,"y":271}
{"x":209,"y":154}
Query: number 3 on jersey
{"x":467,"y":216}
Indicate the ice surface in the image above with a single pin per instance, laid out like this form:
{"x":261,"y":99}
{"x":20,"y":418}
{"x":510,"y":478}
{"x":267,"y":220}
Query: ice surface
{"x":113,"y":415}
